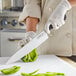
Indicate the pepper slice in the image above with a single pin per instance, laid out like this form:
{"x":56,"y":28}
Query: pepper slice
{"x":29,"y":74}
{"x":11,"y":70}
{"x":43,"y":74}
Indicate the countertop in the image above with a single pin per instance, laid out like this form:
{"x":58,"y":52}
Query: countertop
{"x":46,"y":63}
{"x":63,"y":58}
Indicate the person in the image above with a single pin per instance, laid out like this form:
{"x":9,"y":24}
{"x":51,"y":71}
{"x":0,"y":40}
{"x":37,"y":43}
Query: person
{"x":35,"y":15}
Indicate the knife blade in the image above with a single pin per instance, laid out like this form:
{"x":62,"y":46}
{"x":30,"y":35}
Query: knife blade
{"x":34,"y":43}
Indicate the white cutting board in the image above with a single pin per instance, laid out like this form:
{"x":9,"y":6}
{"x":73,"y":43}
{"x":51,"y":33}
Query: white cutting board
{"x":46,"y":63}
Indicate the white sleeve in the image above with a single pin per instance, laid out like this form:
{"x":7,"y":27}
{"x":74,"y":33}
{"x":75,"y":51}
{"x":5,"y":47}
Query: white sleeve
{"x":31,"y":8}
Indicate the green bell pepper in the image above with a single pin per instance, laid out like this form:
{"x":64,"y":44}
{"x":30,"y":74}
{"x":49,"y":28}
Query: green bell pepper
{"x":32,"y":56}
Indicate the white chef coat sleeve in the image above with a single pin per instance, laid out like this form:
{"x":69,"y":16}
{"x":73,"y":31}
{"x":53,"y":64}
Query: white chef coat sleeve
{"x":31,"y":8}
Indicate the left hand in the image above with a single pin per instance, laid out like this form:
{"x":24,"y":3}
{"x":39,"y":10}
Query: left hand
{"x":31,"y":24}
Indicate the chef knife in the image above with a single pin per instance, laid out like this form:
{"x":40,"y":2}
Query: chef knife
{"x":34,"y":43}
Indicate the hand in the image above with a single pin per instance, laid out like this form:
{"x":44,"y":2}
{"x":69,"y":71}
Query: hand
{"x":28,"y":36}
{"x":31,"y":23}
